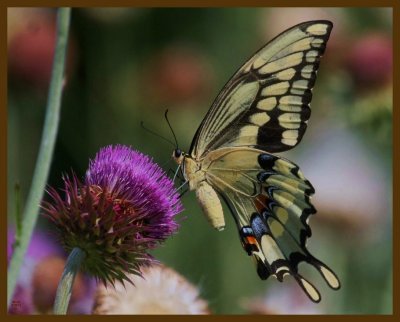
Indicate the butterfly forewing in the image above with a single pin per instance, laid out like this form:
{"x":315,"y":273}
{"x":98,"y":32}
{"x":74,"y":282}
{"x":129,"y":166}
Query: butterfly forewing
{"x":266,"y":103}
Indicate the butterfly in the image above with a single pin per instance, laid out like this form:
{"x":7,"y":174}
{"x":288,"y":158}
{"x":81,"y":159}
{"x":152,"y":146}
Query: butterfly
{"x":263,"y":109}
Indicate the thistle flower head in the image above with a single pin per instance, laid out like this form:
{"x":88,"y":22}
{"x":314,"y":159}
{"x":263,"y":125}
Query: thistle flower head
{"x":125,"y":206}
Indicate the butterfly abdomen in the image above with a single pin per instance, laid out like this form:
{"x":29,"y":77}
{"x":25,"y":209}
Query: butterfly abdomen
{"x":205,"y":194}
{"x":211,"y":205}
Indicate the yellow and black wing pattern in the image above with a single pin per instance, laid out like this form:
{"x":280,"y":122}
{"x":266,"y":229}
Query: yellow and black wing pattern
{"x":269,"y":198}
{"x":263,"y":109}
{"x":266,"y":103}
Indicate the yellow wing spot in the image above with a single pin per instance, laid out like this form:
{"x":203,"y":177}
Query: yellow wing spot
{"x":276,"y":89}
{"x":286,"y":74}
{"x":276,"y":228}
{"x":330,"y":277}
{"x":282,"y":214}
{"x":317,"y":29}
{"x":270,"y":249}
{"x":291,"y":99}
{"x":289,"y":108}
{"x":259,"y":119}
{"x":300,"y":84}
{"x":290,"y":134}
{"x":267,"y":104}
{"x":296,"y":91}
{"x":290,"y":142}
{"x":286,"y":200}
{"x":288,"y":61}
{"x":306,"y":71}
{"x":248,"y":135}
{"x":289,"y":118}
{"x":290,"y":125}
{"x":310,"y":289}
{"x":283,"y":167}
{"x":311,"y":56}
{"x":317,"y":42}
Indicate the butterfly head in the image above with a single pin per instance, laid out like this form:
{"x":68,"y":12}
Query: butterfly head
{"x":178,"y":155}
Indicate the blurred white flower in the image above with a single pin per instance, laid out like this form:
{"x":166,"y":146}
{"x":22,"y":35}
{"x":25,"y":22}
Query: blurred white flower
{"x":160,"y":291}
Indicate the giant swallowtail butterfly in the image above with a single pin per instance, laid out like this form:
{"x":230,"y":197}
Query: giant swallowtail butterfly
{"x":263,"y":109}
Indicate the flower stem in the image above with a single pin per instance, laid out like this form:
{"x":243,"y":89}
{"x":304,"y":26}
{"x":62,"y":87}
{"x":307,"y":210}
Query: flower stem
{"x":64,"y":289}
{"x":18,"y":218}
{"x":46,"y":149}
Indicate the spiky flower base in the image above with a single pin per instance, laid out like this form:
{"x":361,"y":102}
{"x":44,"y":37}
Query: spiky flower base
{"x":117,"y":215}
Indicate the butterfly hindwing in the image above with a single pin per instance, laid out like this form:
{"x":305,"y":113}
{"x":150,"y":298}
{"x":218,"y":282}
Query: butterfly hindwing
{"x":270,"y":200}
{"x":266,"y":103}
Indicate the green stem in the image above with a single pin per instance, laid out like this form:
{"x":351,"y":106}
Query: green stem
{"x":18,"y":218}
{"x":46,"y":149}
{"x":64,"y":289}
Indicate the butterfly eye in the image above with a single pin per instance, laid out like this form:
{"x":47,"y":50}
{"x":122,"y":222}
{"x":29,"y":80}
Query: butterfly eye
{"x":178,"y":153}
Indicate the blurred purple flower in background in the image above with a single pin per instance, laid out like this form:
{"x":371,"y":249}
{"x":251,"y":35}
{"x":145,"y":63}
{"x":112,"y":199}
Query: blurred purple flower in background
{"x":126,"y":206}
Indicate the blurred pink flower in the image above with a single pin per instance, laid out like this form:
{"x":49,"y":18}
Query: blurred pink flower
{"x":45,"y":279}
{"x":370,"y":60}
{"x":31,"y":45}
{"x":178,"y":74}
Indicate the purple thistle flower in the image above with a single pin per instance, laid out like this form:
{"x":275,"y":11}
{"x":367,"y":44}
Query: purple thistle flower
{"x":126,"y":206}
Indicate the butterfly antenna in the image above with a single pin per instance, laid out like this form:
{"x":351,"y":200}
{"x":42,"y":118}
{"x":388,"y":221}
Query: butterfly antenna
{"x":156,"y":134}
{"x":180,"y":187}
{"x":169,"y":124}
{"x":176,"y":173}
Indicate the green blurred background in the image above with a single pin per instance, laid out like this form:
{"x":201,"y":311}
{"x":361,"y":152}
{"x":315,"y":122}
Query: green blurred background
{"x":129,"y":65}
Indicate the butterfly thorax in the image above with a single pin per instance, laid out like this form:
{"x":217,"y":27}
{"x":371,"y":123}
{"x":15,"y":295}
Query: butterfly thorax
{"x":191,"y":169}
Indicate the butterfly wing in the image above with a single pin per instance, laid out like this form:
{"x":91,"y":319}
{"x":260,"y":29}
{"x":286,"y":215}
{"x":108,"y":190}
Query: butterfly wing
{"x":270,"y":200}
{"x":266,"y":103}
